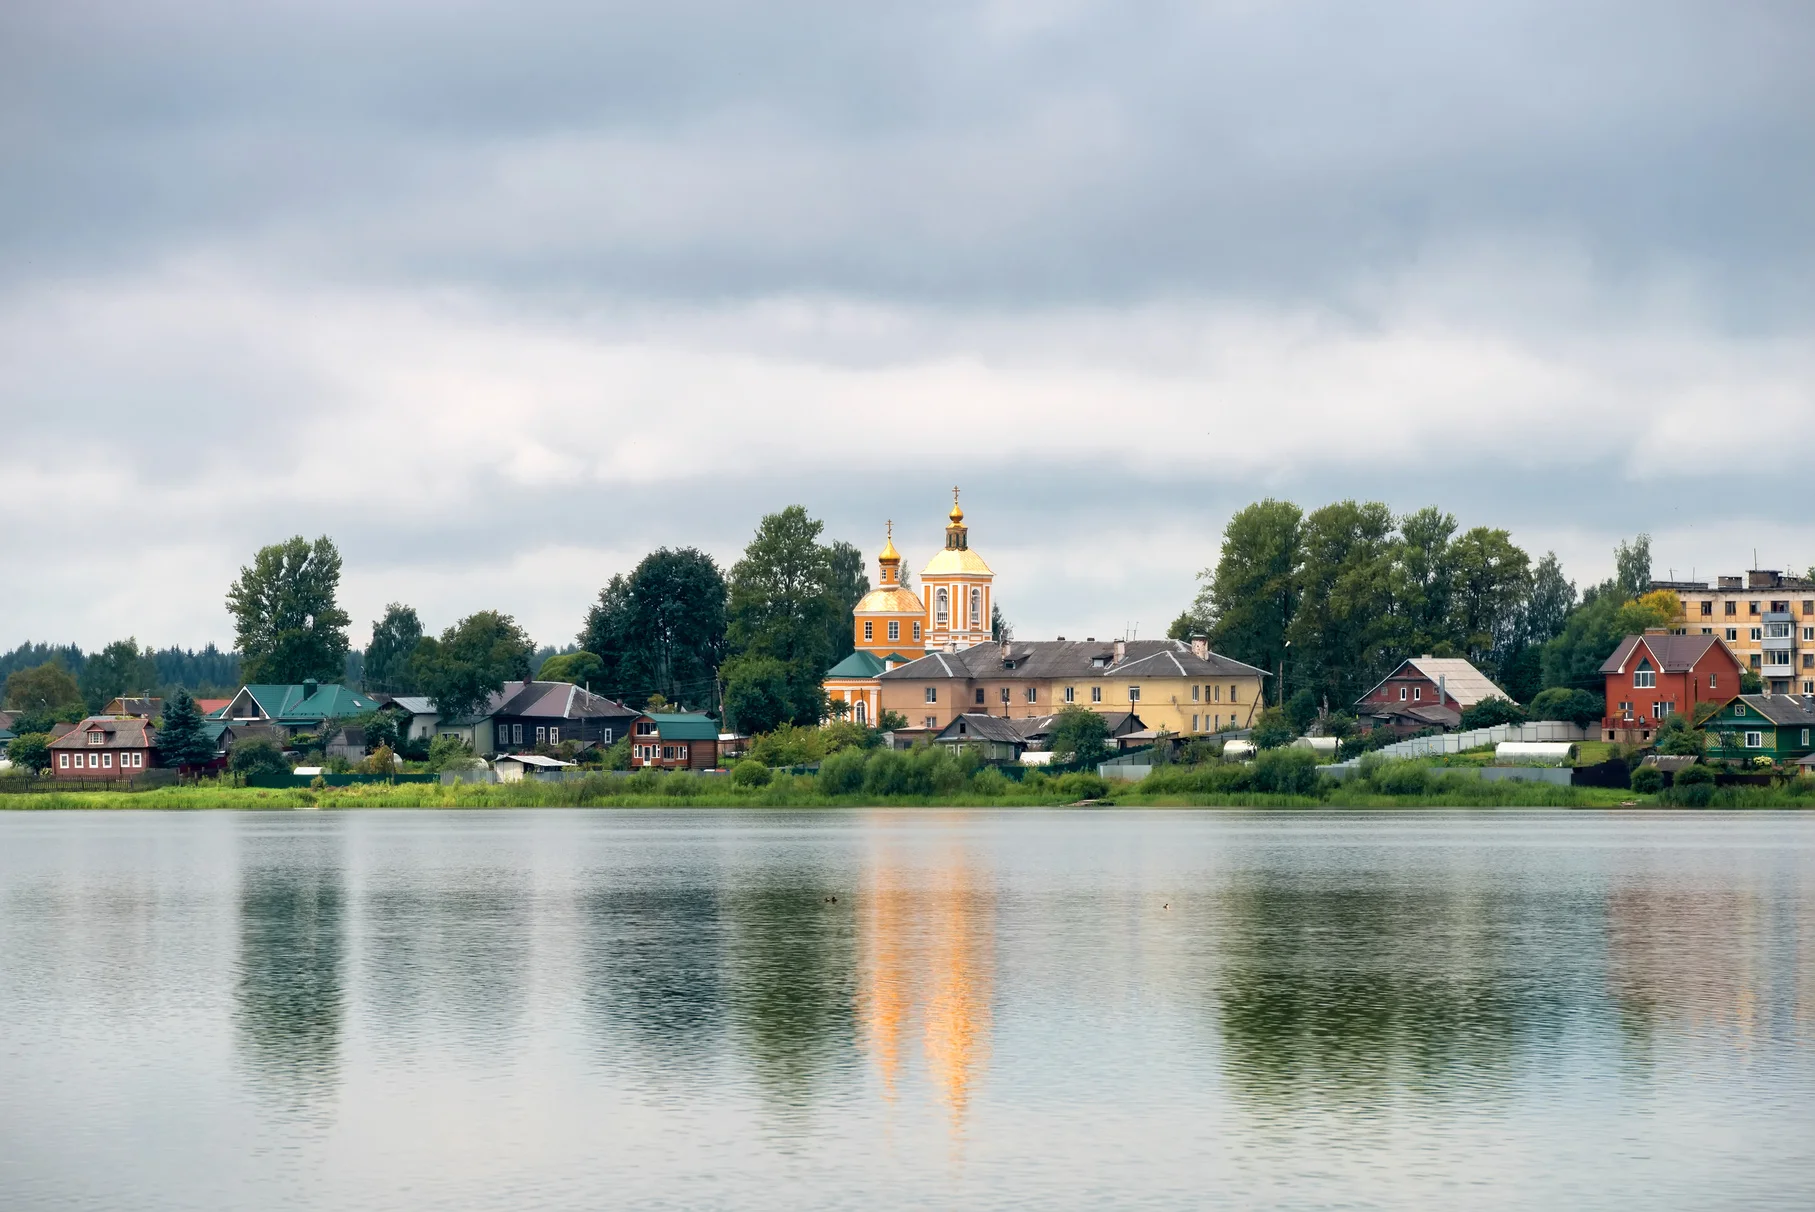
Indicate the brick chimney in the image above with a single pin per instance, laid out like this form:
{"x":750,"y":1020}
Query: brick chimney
{"x":1121,"y":651}
{"x":1200,"y":646}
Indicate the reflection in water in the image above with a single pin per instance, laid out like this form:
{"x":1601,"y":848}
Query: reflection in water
{"x":1349,"y":993}
{"x":290,"y":995}
{"x":792,"y":981}
{"x":652,"y":962}
{"x":446,"y":948}
{"x":1713,"y":958}
{"x":927,"y":940}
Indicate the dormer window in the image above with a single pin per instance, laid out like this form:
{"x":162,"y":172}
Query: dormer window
{"x":97,"y":737}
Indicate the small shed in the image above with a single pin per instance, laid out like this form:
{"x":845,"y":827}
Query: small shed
{"x":513,"y":767}
{"x":1535,"y":753}
{"x":997,"y":739}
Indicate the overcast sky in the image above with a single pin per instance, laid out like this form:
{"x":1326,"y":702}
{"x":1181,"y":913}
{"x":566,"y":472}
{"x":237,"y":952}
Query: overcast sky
{"x":502,"y":296}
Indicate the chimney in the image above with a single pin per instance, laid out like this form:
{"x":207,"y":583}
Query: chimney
{"x":1200,"y":646}
{"x":528,"y":678}
{"x":310,"y":686}
{"x":1443,"y":690}
{"x":1121,"y":651}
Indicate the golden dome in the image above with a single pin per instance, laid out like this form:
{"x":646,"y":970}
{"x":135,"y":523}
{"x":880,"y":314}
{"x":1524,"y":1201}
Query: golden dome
{"x":892,"y":599}
{"x":957,"y":514}
{"x":889,"y":554}
{"x":956,"y":559}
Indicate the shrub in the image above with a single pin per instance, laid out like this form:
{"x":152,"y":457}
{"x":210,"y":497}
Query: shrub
{"x":991,"y":783}
{"x":1693,"y":787}
{"x":646,"y":781}
{"x":1080,"y":785}
{"x":1572,"y":706}
{"x":843,"y":773}
{"x":30,"y":751}
{"x":1690,"y":776}
{"x":1492,"y":711}
{"x":1272,"y":730}
{"x":1286,"y":772}
{"x":1647,"y":780}
{"x":618,"y":756}
{"x":1399,"y":778}
{"x":886,"y":773}
{"x":684,"y":784}
{"x":449,"y":753}
{"x":257,"y":757}
{"x":790,"y":745}
{"x":1679,"y":738}
{"x":750,"y":773}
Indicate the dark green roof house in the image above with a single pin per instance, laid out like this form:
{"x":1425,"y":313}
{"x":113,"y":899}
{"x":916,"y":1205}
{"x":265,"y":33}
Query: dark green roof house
{"x":303,"y":707}
{"x":674,"y":741}
{"x":1777,"y":726}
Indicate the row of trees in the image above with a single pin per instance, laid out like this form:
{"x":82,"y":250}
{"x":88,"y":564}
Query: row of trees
{"x":1337,"y":597}
{"x":122,"y":667}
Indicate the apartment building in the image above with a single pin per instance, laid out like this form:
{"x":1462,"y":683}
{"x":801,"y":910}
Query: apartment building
{"x":1766,"y":618}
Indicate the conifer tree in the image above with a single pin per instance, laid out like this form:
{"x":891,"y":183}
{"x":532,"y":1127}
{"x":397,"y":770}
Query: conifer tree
{"x":183,"y":740}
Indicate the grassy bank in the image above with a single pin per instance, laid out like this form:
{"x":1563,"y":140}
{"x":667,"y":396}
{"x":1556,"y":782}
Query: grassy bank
{"x":799,"y":793}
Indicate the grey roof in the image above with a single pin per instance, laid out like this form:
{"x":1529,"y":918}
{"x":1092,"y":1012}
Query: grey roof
{"x":1793,"y":710}
{"x":984,"y":728}
{"x":415,"y":704}
{"x":1119,"y":722}
{"x":1043,"y":659}
{"x":531,"y":699}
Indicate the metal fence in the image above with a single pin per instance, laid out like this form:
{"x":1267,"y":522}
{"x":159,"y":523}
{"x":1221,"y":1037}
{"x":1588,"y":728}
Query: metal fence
{"x":1475,"y":738}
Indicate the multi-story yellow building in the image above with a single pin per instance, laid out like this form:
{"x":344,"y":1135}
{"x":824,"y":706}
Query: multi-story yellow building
{"x":1765,"y":617}
{"x":1173,"y":686}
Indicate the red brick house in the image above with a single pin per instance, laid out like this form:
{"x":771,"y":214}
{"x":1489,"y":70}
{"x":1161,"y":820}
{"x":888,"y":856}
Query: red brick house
{"x":1653,"y":676}
{"x":674,"y":742}
{"x":104,"y":748}
{"x":1425,"y":692}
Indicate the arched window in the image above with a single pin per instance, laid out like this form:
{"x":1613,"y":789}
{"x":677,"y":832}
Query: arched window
{"x":976,"y":608}
{"x":942,"y":607}
{"x":863,"y":712}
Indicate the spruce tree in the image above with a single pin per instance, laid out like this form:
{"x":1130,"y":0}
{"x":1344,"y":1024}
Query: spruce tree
{"x":183,"y":740}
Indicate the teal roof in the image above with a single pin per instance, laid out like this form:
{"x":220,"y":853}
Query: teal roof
{"x":685,"y":727}
{"x":292,"y":704}
{"x":7,"y":736}
{"x":857,"y":665}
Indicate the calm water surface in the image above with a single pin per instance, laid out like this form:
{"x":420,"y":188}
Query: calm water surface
{"x":705,"y":1009}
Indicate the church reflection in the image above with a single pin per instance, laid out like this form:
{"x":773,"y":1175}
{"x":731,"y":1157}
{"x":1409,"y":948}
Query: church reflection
{"x":926,"y":938}
{"x":290,"y":987}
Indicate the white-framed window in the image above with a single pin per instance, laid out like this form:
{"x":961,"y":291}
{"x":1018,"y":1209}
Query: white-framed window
{"x":94,"y":761}
{"x":1808,"y":687}
{"x":541,"y":735}
{"x":107,"y":761}
{"x":929,"y":721}
{"x":554,"y":736}
{"x":1004,"y":696}
{"x":1219,"y":693}
{"x":932,"y":694}
{"x":1755,"y":740}
{"x":1805,"y":736}
{"x":1071,"y":694}
{"x":869,"y":630}
{"x":1194,"y":726}
{"x":605,"y":736}
{"x":1644,"y":677}
{"x":138,"y":759}
{"x":863,"y":713}
{"x":1233,"y":697}
{"x":894,"y":630}
{"x":1808,"y":634}
{"x":1739,"y":709}
{"x":1733,"y":635}
{"x":667,"y":753}
{"x":97,"y":737}
{"x":1714,"y":681}
{"x":1625,"y":708}
{"x":516,"y":734}
{"x":976,"y":608}
{"x":1033,"y":694}
{"x":62,"y":761}
{"x":645,"y":727}
{"x":1096,"y":694}
{"x":1661,"y":709}
{"x":1194,"y":694}
{"x":1707,"y":631}
{"x":1404,"y":694}
{"x":1756,"y":636}
{"x":916,"y":631}
{"x":1417,"y":694}
{"x":942,"y":607}
{"x":1134,"y":694}
{"x":683,"y":750}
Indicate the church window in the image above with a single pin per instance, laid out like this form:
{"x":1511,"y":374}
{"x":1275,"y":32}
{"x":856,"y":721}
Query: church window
{"x":942,"y":607}
{"x":894,"y":629}
{"x":976,"y":608}
{"x":869,"y":630}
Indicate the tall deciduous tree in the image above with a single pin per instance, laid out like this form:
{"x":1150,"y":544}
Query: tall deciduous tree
{"x":471,"y":661}
{"x":660,"y":630}
{"x":1248,"y":599}
{"x":394,"y":640}
{"x":289,"y":625}
{"x":44,"y":688}
{"x":1632,"y":567}
{"x":120,"y":668}
{"x":1493,"y":580}
{"x":1424,"y":582}
{"x":846,"y":582}
{"x":1338,"y":630}
{"x":182,"y":738}
{"x":782,"y":607}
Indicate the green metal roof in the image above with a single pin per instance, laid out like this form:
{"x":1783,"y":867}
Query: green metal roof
{"x":292,"y":704}
{"x":685,"y":727}
{"x":857,"y":665}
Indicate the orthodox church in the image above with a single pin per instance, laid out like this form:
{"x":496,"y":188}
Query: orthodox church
{"x":894,"y":625}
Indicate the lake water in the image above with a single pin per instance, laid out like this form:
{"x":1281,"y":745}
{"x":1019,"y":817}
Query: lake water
{"x":702,"y":1009}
